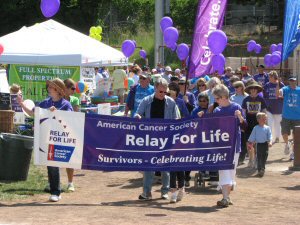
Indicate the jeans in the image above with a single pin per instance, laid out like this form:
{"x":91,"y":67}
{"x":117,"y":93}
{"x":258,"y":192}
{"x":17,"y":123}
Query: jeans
{"x":177,"y":176}
{"x":262,"y":152}
{"x":148,"y":180}
{"x":54,"y":180}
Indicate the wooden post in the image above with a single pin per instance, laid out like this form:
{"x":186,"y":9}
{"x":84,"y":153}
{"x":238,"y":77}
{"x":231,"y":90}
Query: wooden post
{"x":296,"y":165}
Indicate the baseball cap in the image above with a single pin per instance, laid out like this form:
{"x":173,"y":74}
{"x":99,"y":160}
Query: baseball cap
{"x":261,"y":66}
{"x":292,"y":77}
{"x":146,"y":75}
{"x":177,"y":70}
{"x":244,"y":68}
{"x":168,"y":68}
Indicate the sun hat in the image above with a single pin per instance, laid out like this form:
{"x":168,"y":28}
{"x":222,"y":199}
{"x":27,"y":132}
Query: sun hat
{"x":177,"y":70}
{"x":58,"y":84}
{"x":254,"y":85}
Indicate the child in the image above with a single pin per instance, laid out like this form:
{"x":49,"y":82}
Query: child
{"x":262,"y":136}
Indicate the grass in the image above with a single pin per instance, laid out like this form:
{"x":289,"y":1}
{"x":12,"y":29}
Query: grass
{"x":34,"y":184}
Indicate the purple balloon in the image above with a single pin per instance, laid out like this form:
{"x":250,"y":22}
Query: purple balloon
{"x":275,"y":59}
{"x":182,"y":51}
{"x":218,"y":62}
{"x":128,"y":48}
{"x":257,"y":48}
{"x":173,"y":47}
{"x":134,"y":42}
{"x":217,"y":41}
{"x":143,"y":54}
{"x":251,"y":45}
{"x":277,"y":53}
{"x":273,"y":48}
{"x":267,"y":60}
{"x":165,"y":22}
{"x":279,"y":47}
{"x":171,"y":35}
{"x":49,"y":7}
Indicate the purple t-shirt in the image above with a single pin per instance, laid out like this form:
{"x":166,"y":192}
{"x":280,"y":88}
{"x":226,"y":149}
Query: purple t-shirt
{"x":274,"y":104}
{"x":230,"y":111}
{"x":62,"y":104}
{"x":261,"y":79}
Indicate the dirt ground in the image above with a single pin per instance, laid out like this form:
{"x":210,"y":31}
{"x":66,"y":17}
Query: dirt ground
{"x":111,"y":198}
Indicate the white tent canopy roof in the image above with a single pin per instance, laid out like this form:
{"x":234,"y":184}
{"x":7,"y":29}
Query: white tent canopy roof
{"x":51,"y":43}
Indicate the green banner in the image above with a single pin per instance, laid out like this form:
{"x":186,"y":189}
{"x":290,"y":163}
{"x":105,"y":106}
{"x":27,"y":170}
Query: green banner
{"x":32,"y":79}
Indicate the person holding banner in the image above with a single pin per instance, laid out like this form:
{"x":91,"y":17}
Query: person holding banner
{"x":55,"y":101}
{"x":157,"y":105}
{"x":70,"y":90}
{"x":227,"y":108}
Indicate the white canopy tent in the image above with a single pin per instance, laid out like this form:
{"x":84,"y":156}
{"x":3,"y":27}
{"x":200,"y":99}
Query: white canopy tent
{"x":51,"y":43}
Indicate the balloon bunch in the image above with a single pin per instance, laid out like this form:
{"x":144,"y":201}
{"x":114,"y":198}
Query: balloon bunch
{"x":253,"y":46}
{"x":49,"y":7}
{"x":171,"y":37}
{"x":217,"y":41}
{"x":128,"y":47}
{"x":81,"y":87}
{"x":95,"y":32}
{"x":274,"y":57}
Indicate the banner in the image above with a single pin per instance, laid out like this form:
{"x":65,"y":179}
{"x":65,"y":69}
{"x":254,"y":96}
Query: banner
{"x":98,"y":142}
{"x":209,"y":17}
{"x":32,"y":79}
{"x":291,"y":36}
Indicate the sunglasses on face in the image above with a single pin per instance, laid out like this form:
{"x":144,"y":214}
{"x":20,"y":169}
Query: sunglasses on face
{"x":202,"y":85}
{"x":162,"y":92}
{"x":202,"y":101}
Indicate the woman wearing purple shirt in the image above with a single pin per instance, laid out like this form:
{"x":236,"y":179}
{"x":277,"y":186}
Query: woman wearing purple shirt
{"x":274,"y":104}
{"x":227,"y":108}
{"x":56,"y":101}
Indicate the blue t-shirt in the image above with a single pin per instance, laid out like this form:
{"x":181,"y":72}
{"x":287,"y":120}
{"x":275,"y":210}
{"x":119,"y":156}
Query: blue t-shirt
{"x":62,"y":104}
{"x":140,"y":93}
{"x":230,"y":111}
{"x":195,"y":111}
{"x":238,"y":98}
{"x":274,"y":104}
{"x":291,"y":103}
{"x":261,"y":134}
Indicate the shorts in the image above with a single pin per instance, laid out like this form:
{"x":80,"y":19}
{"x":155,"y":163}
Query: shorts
{"x":227,"y":177}
{"x":119,"y":92}
{"x":287,"y":125}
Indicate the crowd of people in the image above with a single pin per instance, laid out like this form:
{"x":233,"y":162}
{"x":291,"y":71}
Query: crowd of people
{"x":264,"y":106}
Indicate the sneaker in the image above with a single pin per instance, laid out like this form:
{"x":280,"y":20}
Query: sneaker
{"x":277,"y":140}
{"x":187,"y":183}
{"x":261,"y":173}
{"x":229,"y":201}
{"x":71,"y":187}
{"x":292,"y":156}
{"x":173,"y":197}
{"x":54,"y":198}
{"x":180,"y":194}
{"x":47,"y":188}
{"x":223,"y":203}
{"x":145,"y":197}
{"x":287,"y":149}
{"x":251,"y":164}
{"x":165,"y":196}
